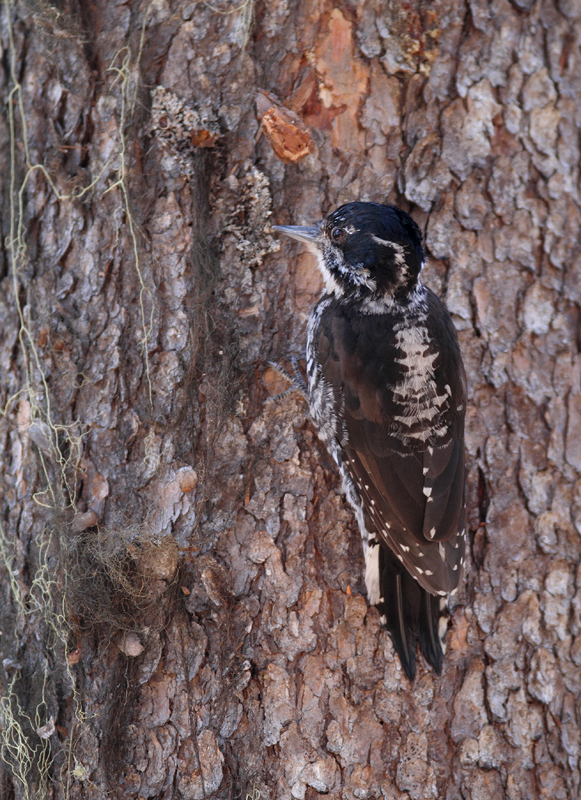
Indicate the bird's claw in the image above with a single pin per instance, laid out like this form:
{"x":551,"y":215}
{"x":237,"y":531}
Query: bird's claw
{"x":297,"y":381}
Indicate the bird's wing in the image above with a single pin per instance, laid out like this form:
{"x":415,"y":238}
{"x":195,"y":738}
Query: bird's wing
{"x":408,"y":470}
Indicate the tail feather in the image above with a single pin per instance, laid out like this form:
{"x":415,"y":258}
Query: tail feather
{"x":428,"y":630}
{"x":410,"y":614}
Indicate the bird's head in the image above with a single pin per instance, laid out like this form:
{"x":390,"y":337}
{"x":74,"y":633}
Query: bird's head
{"x":366,"y":250}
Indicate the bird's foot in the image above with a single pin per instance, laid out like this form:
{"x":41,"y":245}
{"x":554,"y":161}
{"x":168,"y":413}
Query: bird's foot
{"x":297,"y":381}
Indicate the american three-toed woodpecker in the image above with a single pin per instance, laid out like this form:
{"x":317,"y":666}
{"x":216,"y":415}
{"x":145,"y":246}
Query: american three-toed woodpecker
{"x":386,"y":388}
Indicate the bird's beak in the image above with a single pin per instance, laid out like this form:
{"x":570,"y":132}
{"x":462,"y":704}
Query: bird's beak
{"x":309,"y":234}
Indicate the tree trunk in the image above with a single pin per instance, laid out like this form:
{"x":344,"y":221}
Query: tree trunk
{"x":183,"y":611}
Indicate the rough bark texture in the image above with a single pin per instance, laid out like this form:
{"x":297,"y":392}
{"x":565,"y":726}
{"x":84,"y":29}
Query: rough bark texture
{"x":182,"y":603}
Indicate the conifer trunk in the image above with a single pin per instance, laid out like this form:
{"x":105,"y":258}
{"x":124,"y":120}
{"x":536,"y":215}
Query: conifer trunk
{"x":182,"y":606}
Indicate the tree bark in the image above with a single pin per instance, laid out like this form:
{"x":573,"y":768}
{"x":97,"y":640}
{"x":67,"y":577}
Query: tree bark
{"x":183,"y":611}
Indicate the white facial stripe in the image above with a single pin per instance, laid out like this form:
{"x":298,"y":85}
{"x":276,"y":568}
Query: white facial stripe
{"x":331,"y":261}
{"x":379,"y":241}
{"x":332,"y":286}
{"x":399,"y":254}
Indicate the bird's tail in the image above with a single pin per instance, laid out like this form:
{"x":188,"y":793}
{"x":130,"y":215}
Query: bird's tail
{"x":409,"y":613}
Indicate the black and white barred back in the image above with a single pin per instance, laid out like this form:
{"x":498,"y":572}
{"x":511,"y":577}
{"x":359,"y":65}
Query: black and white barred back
{"x":386,"y":389}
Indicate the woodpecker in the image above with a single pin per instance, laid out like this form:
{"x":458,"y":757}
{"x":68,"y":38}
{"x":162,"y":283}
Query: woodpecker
{"x":386,"y":389}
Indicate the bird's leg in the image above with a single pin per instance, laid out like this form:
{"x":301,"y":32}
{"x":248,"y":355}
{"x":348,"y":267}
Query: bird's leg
{"x":297,"y":381}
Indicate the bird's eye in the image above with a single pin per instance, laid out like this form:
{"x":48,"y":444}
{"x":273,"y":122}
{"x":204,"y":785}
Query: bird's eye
{"x":338,"y":235}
